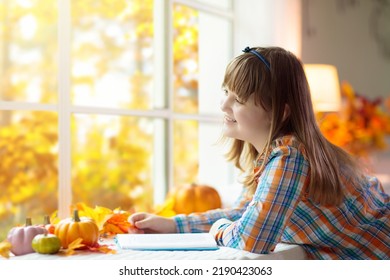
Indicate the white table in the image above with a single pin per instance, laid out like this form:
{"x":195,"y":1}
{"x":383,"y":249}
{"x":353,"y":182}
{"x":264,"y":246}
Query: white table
{"x":282,"y":252}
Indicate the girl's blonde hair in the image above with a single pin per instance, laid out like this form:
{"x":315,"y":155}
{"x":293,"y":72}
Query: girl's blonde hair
{"x":285,"y":86}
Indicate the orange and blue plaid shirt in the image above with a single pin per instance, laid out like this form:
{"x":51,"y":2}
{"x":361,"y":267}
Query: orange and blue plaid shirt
{"x":279,"y":211}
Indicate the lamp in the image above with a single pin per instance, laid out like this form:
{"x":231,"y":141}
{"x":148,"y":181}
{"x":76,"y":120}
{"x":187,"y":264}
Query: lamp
{"x":324,"y":87}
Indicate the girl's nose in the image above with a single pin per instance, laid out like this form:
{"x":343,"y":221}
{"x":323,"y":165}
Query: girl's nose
{"x":225,"y":103}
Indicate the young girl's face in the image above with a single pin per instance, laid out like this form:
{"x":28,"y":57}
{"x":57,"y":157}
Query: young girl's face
{"x":245,"y":120}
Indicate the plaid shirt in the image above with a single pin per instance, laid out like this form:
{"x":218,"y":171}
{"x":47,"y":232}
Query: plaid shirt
{"x":279,"y":211}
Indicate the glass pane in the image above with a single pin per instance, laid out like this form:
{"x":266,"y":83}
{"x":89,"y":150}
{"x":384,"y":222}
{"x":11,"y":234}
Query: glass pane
{"x":28,"y":50}
{"x":29,"y":164}
{"x":185,"y":59}
{"x":213,"y":31}
{"x":225,"y":4}
{"x":201,"y":50}
{"x":112,"y":161}
{"x":200,"y":158}
{"x":112,"y":53}
{"x":185,"y":151}
{"x":214,"y":169}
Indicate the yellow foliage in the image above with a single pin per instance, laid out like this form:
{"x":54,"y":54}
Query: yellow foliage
{"x":106,"y":169}
{"x":99,"y":214}
{"x":109,"y":221}
{"x":5,"y":248}
{"x":77,"y":244}
{"x":166,"y":209}
{"x":74,"y":245}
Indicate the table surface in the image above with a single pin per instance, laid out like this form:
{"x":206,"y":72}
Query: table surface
{"x":281,"y":252}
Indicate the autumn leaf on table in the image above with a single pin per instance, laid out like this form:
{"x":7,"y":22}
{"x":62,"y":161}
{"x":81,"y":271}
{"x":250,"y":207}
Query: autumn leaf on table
{"x":108,"y":221}
{"x":117,"y":223}
{"x":77,"y":244}
{"x":5,"y":248}
{"x":105,"y":249}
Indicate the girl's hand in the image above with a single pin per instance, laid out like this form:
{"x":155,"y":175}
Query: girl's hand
{"x":150,"y":223}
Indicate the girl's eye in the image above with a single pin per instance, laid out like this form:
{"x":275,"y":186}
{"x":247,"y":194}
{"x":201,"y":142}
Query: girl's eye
{"x":226,"y":93}
{"x":238,"y":101}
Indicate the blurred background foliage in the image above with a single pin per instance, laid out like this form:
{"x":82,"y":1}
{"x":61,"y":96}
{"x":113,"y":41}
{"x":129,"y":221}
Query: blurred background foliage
{"x":111,"y":155}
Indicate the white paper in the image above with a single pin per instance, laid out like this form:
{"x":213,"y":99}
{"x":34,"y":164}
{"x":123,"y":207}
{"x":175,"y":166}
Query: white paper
{"x":174,"y":241}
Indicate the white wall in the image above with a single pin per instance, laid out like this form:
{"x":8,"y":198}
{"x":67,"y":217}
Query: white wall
{"x":355,"y":37}
{"x":268,"y":23}
{"x":352,"y":35}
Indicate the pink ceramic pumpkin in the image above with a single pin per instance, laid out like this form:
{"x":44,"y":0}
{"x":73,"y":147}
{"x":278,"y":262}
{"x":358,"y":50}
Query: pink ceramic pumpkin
{"x":21,"y":238}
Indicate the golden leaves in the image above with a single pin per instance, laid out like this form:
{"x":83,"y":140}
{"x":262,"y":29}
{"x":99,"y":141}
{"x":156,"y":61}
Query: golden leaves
{"x":166,"y":209}
{"x":100,"y":174}
{"x":362,"y":125}
{"x":99,"y":214}
{"x":77,"y":246}
{"x":109,"y":221}
{"x":5,"y":248}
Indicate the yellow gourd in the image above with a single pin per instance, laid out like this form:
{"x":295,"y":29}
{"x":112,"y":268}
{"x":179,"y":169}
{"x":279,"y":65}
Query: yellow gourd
{"x":68,"y":230}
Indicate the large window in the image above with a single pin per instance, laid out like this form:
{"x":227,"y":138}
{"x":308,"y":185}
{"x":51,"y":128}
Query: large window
{"x":108,"y":103}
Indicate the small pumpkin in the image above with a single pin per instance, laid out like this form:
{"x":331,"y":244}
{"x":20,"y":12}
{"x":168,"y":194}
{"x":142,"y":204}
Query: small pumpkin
{"x":46,"y":243}
{"x":195,"y":198}
{"x":21,"y":237}
{"x":68,"y":230}
{"x":48,"y":225}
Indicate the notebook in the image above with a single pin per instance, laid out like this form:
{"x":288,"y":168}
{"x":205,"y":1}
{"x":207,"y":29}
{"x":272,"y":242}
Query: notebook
{"x":167,"y":242}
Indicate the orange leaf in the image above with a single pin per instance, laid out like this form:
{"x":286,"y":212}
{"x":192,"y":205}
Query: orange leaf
{"x":112,"y":229}
{"x":117,"y":223}
{"x":105,"y":249}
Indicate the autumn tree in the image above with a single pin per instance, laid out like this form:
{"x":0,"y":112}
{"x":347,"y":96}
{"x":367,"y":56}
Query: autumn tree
{"x":109,"y":170}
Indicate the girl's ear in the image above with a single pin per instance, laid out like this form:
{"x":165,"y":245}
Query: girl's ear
{"x":286,"y":112}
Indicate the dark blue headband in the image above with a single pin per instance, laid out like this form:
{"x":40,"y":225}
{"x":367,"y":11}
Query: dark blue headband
{"x":262,"y":58}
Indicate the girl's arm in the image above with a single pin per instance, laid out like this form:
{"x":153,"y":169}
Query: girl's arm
{"x":201,"y":222}
{"x":279,"y":190}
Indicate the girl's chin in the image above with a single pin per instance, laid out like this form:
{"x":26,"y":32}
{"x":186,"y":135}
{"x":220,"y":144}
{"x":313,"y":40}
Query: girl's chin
{"x":229,"y":134}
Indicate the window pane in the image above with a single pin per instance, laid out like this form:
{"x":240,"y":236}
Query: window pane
{"x":28,"y":177}
{"x":225,"y":4}
{"x":185,"y":151}
{"x":215,"y":51}
{"x":112,"y":54}
{"x":28,"y":50}
{"x":112,"y":160}
{"x":185,"y":59}
{"x":201,"y":50}
{"x":214,"y":169}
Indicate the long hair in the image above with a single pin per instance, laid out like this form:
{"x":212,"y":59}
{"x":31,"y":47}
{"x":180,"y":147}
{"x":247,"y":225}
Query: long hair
{"x":285,"y":85}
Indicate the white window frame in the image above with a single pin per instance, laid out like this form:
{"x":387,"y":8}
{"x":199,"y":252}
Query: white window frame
{"x":163,"y":94}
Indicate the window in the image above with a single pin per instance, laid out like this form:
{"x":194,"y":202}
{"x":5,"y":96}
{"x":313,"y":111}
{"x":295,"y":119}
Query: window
{"x":108,"y":104}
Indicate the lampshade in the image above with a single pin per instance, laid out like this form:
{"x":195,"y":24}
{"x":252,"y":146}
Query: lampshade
{"x":324,"y":87}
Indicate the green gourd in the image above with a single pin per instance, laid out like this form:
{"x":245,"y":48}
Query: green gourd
{"x":46,"y":243}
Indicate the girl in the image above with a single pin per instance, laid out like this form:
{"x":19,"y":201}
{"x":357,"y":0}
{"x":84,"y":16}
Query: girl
{"x":300,"y":188}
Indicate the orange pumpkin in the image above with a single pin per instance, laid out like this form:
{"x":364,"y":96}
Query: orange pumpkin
{"x":195,"y":198}
{"x":68,"y":230}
